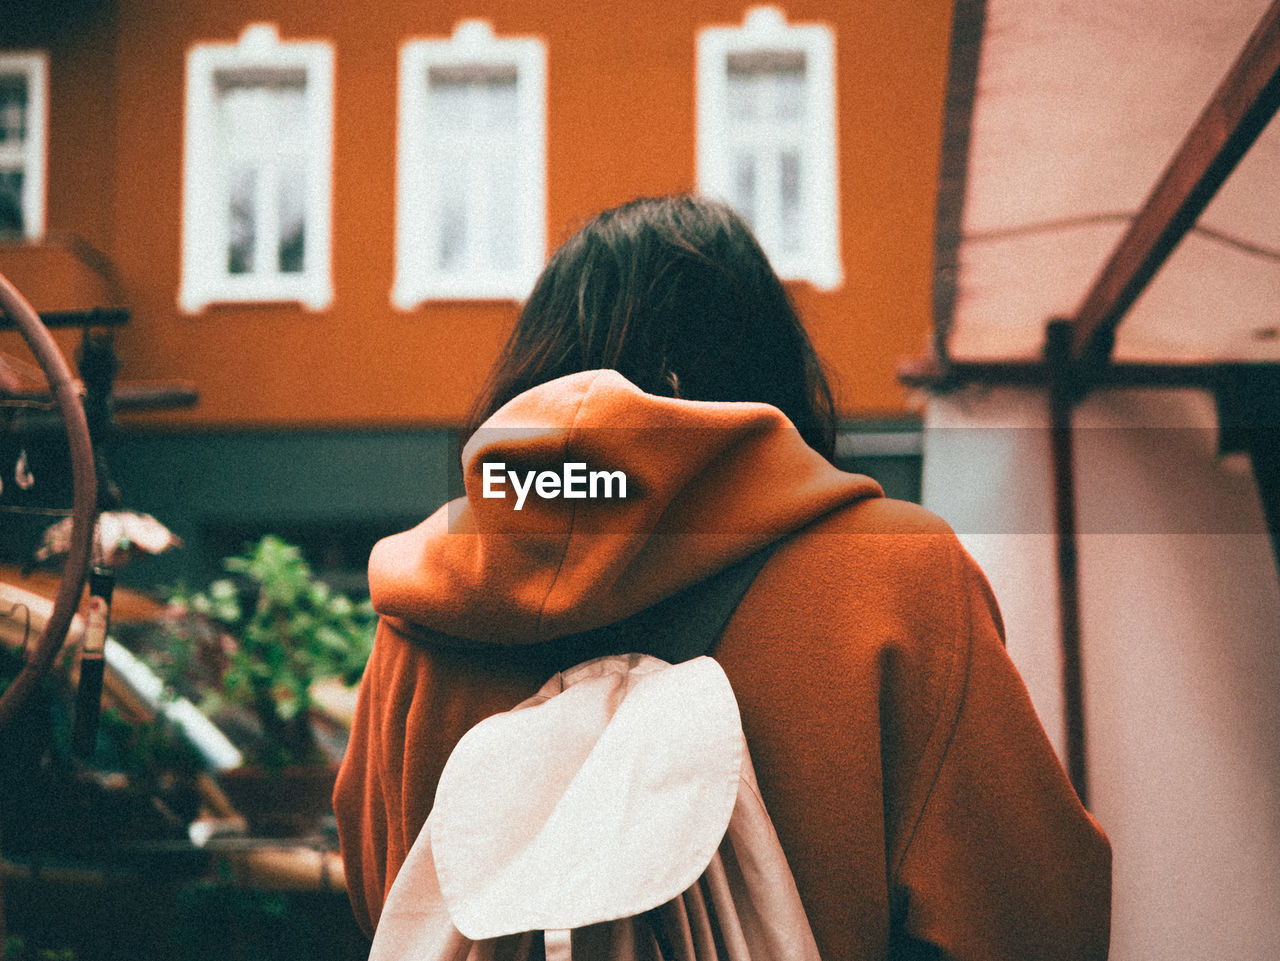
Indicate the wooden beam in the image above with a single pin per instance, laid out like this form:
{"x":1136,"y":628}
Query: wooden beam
{"x":968,"y":23}
{"x":929,"y":374}
{"x":93,"y":317}
{"x":128,"y":396}
{"x":1240,"y":108}
{"x":1062,"y":398}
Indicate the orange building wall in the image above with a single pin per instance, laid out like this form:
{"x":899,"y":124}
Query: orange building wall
{"x":620,"y":123}
{"x":79,"y":36}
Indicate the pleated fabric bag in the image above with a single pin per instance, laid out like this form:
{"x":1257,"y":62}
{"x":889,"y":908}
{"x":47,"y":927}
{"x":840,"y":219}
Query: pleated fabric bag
{"x":613,"y":816}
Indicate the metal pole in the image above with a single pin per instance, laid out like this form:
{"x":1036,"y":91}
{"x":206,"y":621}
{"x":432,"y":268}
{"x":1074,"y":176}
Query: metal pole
{"x":1062,"y":398}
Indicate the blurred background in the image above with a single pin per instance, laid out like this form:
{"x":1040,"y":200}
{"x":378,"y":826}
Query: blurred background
{"x":281,"y":243}
{"x":331,"y":415}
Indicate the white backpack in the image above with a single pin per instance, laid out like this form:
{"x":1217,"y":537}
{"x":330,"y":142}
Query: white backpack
{"x":613,"y":816}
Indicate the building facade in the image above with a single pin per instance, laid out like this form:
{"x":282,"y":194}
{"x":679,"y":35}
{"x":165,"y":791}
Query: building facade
{"x":325,"y":216}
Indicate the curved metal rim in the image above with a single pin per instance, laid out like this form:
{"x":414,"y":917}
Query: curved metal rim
{"x":84,"y":497}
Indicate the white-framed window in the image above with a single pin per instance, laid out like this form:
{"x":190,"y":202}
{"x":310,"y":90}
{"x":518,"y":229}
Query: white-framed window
{"x":470,"y":166}
{"x":767,"y":137}
{"x":24,"y":120}
{"x":257,"y":183}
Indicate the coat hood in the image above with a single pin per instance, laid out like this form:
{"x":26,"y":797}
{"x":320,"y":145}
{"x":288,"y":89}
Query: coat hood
{"x":706,"y":484}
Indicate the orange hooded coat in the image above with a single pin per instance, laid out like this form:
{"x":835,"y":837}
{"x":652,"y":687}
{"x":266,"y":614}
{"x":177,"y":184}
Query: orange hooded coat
{"x":919,"y":804}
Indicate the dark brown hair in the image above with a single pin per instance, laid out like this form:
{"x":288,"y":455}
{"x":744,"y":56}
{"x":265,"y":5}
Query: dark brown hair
{"x":676,"y":295}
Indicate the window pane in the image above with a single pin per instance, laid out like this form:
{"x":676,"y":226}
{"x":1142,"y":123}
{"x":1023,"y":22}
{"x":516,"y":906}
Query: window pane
{"x":13,"y":109}
{"x":447,"y":102}
{"x":744,"y":187}
{"x":475,"y":110}
{"x":765,"y":61}
{"x":743,"y":94}
{"x":473,"y":97}
{"x":242,"y":227}
{"x":503,"y":198}
{"x":789,"y":196}
{"x":503,"y":104}
{"x":788,"y":91}
{"x":453,"y":217}
{"x":11,"y":220}
{"x":293,"y":201}
{"x":766,"y":84}
{"x":262,"y":120}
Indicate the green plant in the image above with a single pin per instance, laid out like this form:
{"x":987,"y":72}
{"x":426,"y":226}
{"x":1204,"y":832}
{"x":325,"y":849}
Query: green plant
{"x":264,"y":637}
{"x":17,"y":949}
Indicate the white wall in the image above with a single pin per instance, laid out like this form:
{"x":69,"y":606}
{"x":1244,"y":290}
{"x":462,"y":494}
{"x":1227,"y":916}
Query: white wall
{"x":1181,"y":644}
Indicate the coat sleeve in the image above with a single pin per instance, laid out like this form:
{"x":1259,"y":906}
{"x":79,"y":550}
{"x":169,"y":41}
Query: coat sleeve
{"x":1003,"y":862}
{"x":360,"y":809}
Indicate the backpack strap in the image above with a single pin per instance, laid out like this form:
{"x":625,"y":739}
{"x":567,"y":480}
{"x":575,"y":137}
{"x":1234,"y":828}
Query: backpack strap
{"x":680,"y":628}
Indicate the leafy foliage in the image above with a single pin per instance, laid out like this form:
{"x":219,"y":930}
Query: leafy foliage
{"x":261,"y":638}
{"x":17,"y":949}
